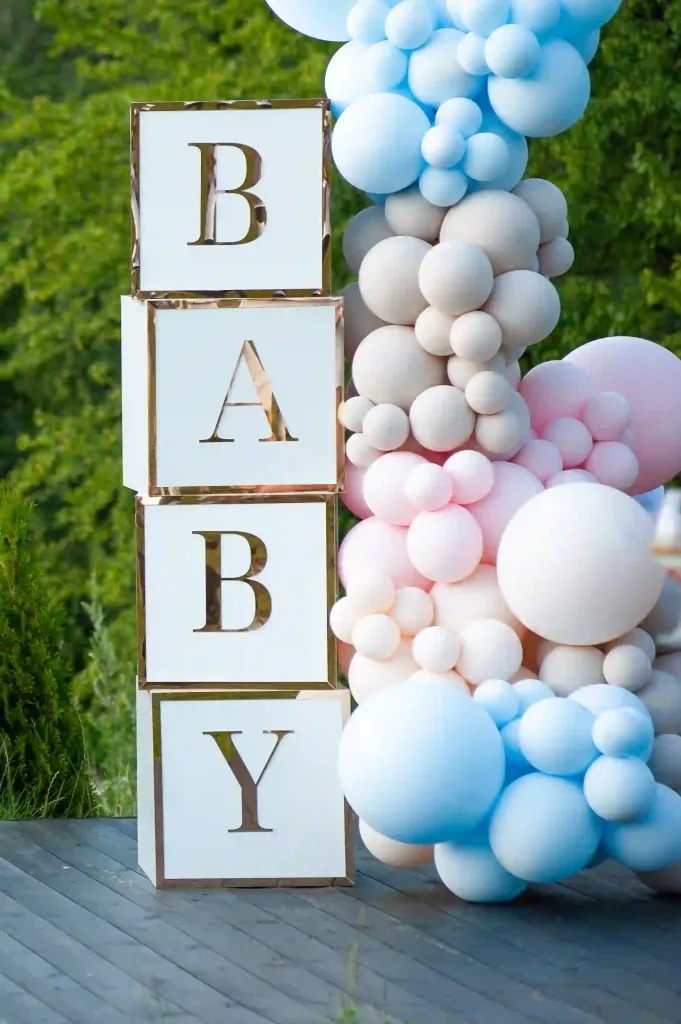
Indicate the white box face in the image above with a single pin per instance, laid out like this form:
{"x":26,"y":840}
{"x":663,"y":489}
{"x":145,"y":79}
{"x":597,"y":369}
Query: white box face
{"x":274,"y":810}
{"x":231,"y":200}
{"x":238,"y":593}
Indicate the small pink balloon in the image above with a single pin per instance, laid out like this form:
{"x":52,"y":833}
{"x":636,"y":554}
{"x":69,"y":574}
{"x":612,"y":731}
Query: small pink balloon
{"x":571,"y":438}
{"x":384,"y":487}
{"x":541,"y":458}
{"x":352,"y":495}
{"x":344,"y":655}
{"x":628,"y":438}
{"x":428,"y":487}
{"x":472,"y":476}
{"x":607,"y":416}
{"x":572,"y":476}
{"x":445,"y":546}
{"x":554,"y":390}
{"x":513,"y":486}
{"x":377,"y":547}
{"x":613,"y":464}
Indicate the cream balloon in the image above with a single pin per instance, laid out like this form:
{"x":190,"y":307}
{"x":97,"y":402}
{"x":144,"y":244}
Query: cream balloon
{"x":408,"y":213}
{"x":489,"y":649}
{"x":367,"y":677}
{"x":390,"y":366}
{"x":389,"y":279}
{"x":364,"y":231}
{"x":476,"y":597}
{"x":499,"y":223}
{"x":565,"y":668}
{"x":392,"y":852}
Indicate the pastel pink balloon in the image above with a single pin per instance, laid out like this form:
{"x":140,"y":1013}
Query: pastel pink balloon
{"x":352,"y":496}
{"x":649,"y":377}
{"x":428,"y":487}
{"x":628,"y":439}
{"x":613,"y":464}
{"x":472,"y":476}
{"x":571,"y":476}
{"x":377,"y":547}
{"x":344,"y":655}
{"x":513,"y":486}
{"x":571,"y":438}
{"x":607,"y":416}
{"x":385,"y":487}
{"x":554,"y":390}
{"x":541,"y":458}
{"x":446,"y":546}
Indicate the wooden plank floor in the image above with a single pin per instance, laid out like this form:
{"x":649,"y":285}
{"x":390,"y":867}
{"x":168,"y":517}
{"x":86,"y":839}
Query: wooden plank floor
{"x":84,"y":937}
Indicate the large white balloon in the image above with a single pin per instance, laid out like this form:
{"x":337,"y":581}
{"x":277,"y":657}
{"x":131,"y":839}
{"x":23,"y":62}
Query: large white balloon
{"x":326,"y":20}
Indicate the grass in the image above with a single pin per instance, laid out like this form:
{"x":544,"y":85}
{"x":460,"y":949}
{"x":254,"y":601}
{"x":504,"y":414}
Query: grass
{"x":17,"y":805}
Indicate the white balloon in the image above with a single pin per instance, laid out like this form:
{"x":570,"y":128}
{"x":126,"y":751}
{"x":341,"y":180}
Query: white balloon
{"x":344,"y":615}
{"x":359,"y":452}
{"x":555,"y":257}
{"x":390,"y":366}
{"x":627,"y":666}
{"x":408,"y":213}
{"x":453,"y":678}
{"x":475,"y":336}
{"x":363,"y":232}
{"x":435,"y":649}
{"x":525,"y":305}
{"x":477,"y":597}
{"x":441,"y":418}
{"x":456,"y":277}
{"x":433,"y":331}
{"x":376,"y":637}
{"x":412,"y":610}
{"x":504,"y":433}
{"x":547,"y":203}
{"x":461,"y":371}
{"x":501,"y":224}
{"x":488,"y":392}
{"x":635,"y":638}
{"x":566,"y":668}
{"x":367,"y":677}
{"x":386,"y":427}
{"x":390,"y":851}
{"x":389,"y":279}
{"x":489,"y":650}
{"x":353,"y":411}
{"x":371,"y":592}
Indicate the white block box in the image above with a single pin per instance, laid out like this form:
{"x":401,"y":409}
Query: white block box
{"x":231,"y":198}
{"x":236,"y":591}
{"x":241,"y":788}
{"x":226,"y":396}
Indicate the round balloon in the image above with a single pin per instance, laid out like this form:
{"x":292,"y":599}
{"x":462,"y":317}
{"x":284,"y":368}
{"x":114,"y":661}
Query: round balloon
{"x":320,"y":21}
{"x":469,"y":869}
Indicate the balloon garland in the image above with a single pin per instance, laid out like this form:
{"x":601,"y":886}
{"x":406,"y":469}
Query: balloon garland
{"x":516,"y":720}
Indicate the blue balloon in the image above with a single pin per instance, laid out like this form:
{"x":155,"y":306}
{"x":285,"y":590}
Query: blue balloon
{"x":543,"y":830}
{"x":410,"y":24}
{"x":385,"y":66}
{"x":469,"y":869}
{"x":471,"y":54}
{"x":345,"y":79}
{"x":548,"y":101}
{"x":587,"y":15}
{"x":326,"y":20}
{"x":483,"y":16}
{"x":512,"y":51}
{"x":421,"y":762}
{"x":654,"y":842}
{"x":487,"y":157}
{"x":530,"y":691}
{"x":443,"y":187}
{"x":600,"y":697}
{"x":518,"y":151}
{"x":366,"y":21}
{"x":624,"y":732}
{"x":586,"y":46}
{"x":376,"y":143}
{"x":619,"y":788}
{"x":651,"y":501}
{"x":515,"y":759}
{"x":499,"y":700}
{"x":538,"y":15}
{"x":435,"y":74}
{"x":555,"y":737}
{"x":463,"y":114}
{"x":443,"y":146}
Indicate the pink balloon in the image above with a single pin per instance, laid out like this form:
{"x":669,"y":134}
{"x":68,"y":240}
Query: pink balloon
{"x":541,"y":458}
{"x":428,"y":487}
{"x":571,"y":438}
{"x":571,"y":476}
{"x":446,"y":546}
{"x":385,"y":487}
{"x":378,"y":547}
{"x":472,"y":476}
{"x":649,"y":377}
{"x":352,"y":496}
{"x":607,"y":416}
{"x":554,"y":390}
{"x":613,"y":464}
{"x":513,"y":486}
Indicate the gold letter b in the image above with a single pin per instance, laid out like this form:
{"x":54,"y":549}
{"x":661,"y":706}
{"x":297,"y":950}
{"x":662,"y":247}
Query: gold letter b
{"x":210,"y":192}
{"x":214,"y":580}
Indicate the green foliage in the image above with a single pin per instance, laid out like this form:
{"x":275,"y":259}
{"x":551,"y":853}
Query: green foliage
{"x":68,"y":72}
{"x":42,"y":751}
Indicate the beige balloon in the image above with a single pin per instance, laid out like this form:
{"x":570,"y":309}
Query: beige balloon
{"x":389,"y":279}
{"x":433,"y":331}
{"x":501,"y":224}
{"x":408,"y":213}
{"x":456,"y":277}
{"x":391,"y":366}
{"x":547,"y":203}
{"x":441,"y":419}
{"x":358,"y":319}
{"x":475,"y":336}
{"x":392,"y":852}
{"x":364,"y":231}
{"x":525,"y":305}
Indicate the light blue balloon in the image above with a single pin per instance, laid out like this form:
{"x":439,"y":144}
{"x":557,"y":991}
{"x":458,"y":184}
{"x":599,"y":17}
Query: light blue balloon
{"x":499,"y":700}
{"x":443,"y":187}
{"x":471,"y":54}
{"x":651,"y":501}
{"x":530,"y":691}
{"x":555,"y":737}
{"x":515,"y":759}
{"x":376,"y":143}
{"x":469,"y":869}
{"x":366,"y":21}
{"x":487,"y":157}
{"x":619,"y":788}
{"x":454,"y":13}
{"x":483,"y":16}
{"x":463,"y":114}
{"x":586,"y":15}
{"x":624,"y":732}
{"x":435,"y":74}
{"x":543,"y":830}
{"x":550,"y":100}
{"x":586,"y":46}
{"x":326,"y":20}
{"x":518,"y":155}
{"x":345,"y":79}
{"x":600,"y":697}
{"x":512,"y":51}
{"x":538,"y":15}
{"x":421,"y":762}
{"x":654,"y":842}
{"x":443,"y":146}
{"x":385,"y":66}
{"x":410,"y":24}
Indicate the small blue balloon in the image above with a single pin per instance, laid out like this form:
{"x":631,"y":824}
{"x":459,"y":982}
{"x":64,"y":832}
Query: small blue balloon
{"x":555,"y":737}
{"x":651,"y":501}
{"x":469,"y":869}
{"x":586,"y":46}
{"x":499,"y":700}
{"x":543,"y":830}
{"x":550,"y":100}
{"x":487,"y":157}
{"x":624,"y":732}
{"x":345,"y":77}
{"x":654,"y":842}
{"x":600,"y":697}
{"x":529,"y":691}
{"x":483,"y":16}
{"x":463,"y":114}
{"x":518,"y":155}
{"x":538,"y":15}
{"x":619,"y":788}
{"x":471,"y":54}
{"x":512,"y":51}
{"x":366,"y":21}
{"x":443,"y":146}
{"x":326,"y":20}
{"x":421,"y":762}
{"x":443,"y":187}
{"x":515,"y":759}
{"x":410,"y":24}
{"x":435,"y":74}
{"x":376,"y":143}
{"x":385,"y":66}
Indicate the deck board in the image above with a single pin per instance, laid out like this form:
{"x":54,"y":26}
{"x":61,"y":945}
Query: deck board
{"x":84,"y":936}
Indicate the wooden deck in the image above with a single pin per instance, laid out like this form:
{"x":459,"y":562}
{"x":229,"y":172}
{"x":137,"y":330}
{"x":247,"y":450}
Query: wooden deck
{"x":84,"y":937}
